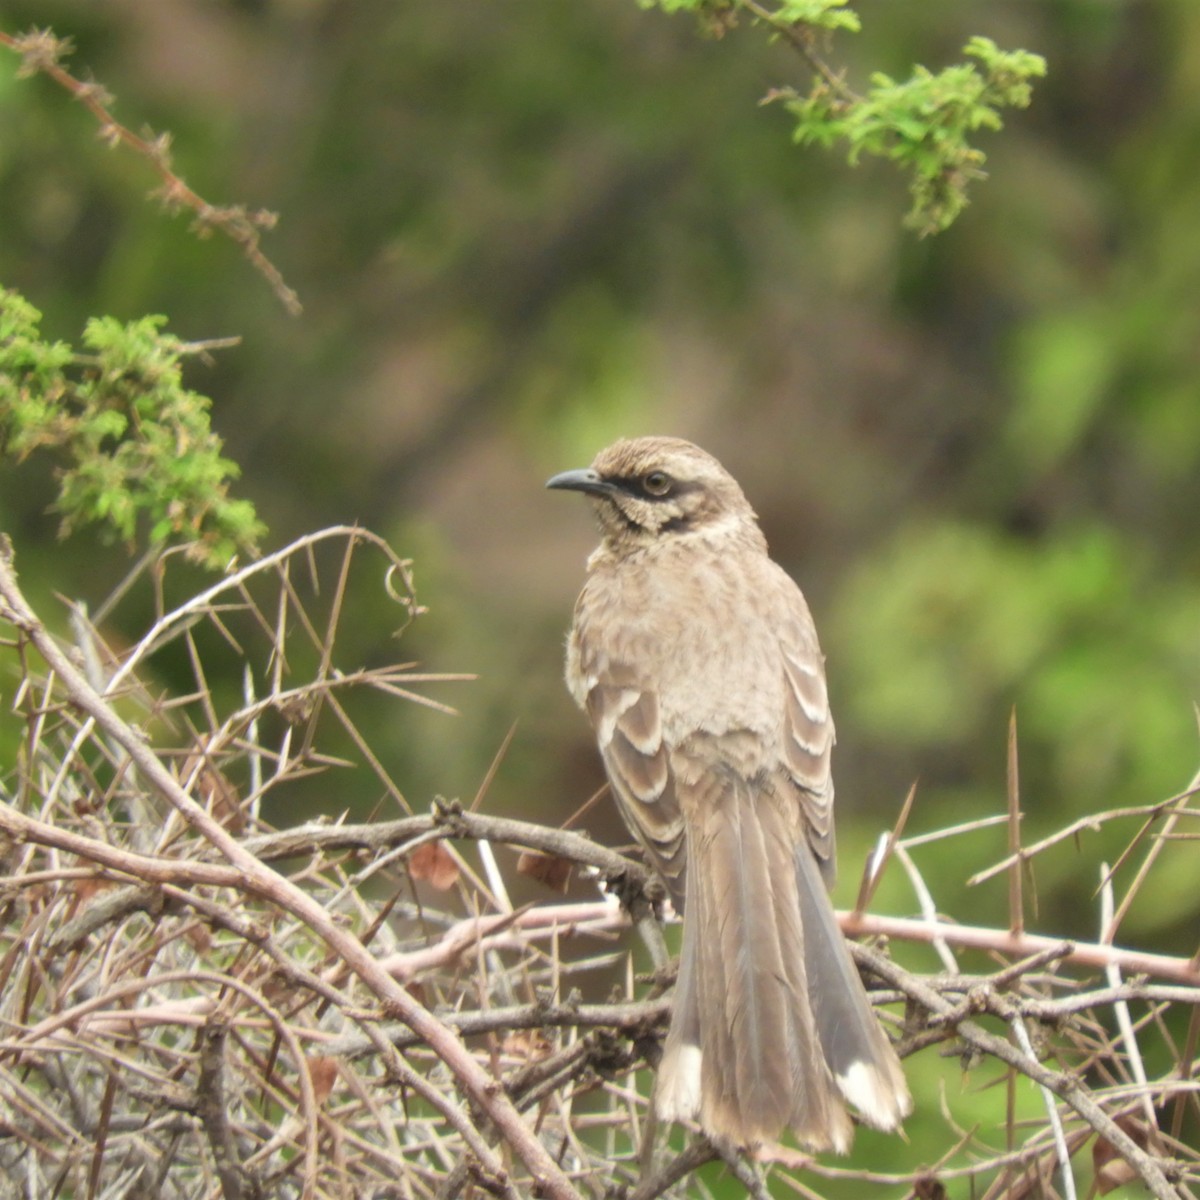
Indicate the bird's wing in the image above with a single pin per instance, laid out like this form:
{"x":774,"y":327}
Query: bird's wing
{"x":625,"y":715}
{"x":808,"y":733}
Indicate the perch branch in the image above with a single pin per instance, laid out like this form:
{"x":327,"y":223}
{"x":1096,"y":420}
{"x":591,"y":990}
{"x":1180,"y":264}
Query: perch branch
{"x":259,"y":879}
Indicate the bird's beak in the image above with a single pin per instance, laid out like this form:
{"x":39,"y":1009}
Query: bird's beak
{"x":585,"y":480}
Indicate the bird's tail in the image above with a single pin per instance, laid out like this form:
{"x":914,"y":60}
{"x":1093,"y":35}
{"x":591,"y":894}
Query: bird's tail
{"x":772,"y":1029}
{"x":855,"y":1048}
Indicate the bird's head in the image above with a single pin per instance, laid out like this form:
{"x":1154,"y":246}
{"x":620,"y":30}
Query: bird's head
{"x":651,"y":488}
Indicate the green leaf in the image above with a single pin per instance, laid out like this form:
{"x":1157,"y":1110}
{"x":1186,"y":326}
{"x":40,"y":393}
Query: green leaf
{"x":131,"y":442}
{"x":923,"y":123}
{"x":823,"y":14}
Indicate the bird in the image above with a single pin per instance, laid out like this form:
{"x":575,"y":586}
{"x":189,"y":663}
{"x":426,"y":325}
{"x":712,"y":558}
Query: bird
{"x":696,"y":659}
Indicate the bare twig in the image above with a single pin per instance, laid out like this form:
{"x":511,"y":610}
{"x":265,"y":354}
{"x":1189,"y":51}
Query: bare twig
{"x":1000,"y":941}
{"x":119,"y":954}
{"x":877,"y":863}
{"x":211,"y":1105}
{"x":258,"y":879}
{"x":41,"y":53}
{"x":1093,"y":822}
{"x":1112,"y":973}
{"x":698,"y":1152}
{"x":1064,"y":1086}
{"x":452,"y":821}
{"x":1016,"y":902}
{"x":1060,"y":1138}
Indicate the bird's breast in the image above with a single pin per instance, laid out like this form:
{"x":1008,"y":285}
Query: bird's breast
{"x":698,"y":629}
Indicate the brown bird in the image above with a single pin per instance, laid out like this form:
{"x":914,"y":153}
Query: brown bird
{"x":696,"y":658}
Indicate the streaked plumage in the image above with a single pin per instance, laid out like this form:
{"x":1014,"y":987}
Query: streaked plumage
{"x":696,"y":659}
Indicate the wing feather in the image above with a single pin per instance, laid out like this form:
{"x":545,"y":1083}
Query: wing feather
{"x":808,"y":732}
{"x":629,"y":731}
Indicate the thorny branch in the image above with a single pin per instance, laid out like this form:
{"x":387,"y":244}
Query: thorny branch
{"x":259,"y":881}
{"x":1065,"y":1086}
{"x":211,"y":1106}
{"x":205,"y":998}
{"x":42,"y":53}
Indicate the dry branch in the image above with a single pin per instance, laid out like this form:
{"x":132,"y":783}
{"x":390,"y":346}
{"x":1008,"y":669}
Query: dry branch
{"x":256,"y":879}
{"x":42,"y":53}
{"x":191,"y":996}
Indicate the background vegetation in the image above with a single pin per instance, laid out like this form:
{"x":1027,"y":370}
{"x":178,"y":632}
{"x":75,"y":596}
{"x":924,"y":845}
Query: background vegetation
{"x":521,"y":230}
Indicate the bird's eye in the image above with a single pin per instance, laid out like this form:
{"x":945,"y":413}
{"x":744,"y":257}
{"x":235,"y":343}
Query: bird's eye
{"x":657,"y":483}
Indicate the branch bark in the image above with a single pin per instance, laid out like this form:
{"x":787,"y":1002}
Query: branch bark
{"x":1063,"y":1085}
{"x":256,"y":877}
{"x":1023,"y":945}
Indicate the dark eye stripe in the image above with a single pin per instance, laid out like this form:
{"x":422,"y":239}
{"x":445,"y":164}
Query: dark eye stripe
{"x":635,"y":486}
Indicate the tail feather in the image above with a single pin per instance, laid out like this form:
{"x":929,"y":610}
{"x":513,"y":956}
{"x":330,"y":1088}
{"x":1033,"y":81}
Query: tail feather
{"x":862,"y":1060}
{"x":677,"y":1092}
{"x":772,"y":1029}
{"x":746,"y":991}
{"x":743,"y":1054}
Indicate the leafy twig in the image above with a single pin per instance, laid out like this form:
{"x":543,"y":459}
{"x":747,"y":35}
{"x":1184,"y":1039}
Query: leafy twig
{"x":134,"y":442}
{"x":925,"y":124}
